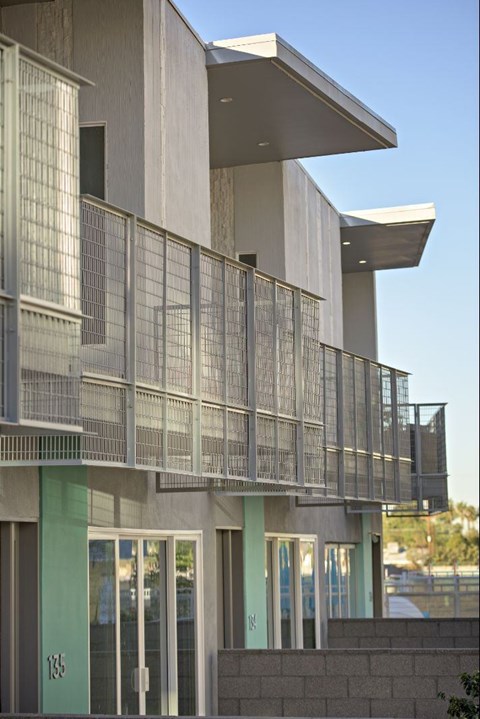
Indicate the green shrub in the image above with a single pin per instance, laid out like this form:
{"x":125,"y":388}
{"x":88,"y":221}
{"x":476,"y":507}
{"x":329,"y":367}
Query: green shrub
{"x":465,"y":707}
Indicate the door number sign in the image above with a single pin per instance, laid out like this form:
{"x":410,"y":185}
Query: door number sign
{"x":56,"y":666}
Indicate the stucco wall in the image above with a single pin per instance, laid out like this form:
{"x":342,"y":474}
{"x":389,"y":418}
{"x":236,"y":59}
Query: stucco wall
{"x":19,"y":494}
{"x":360,"y":314}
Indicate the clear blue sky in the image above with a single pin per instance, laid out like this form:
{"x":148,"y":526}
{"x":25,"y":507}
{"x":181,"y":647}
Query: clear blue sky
{"x":415,"y":64}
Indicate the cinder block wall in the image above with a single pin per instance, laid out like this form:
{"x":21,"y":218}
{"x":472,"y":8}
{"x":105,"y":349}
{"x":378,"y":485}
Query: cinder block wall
{"x":403,"y":633}
{"x":340,"y":682}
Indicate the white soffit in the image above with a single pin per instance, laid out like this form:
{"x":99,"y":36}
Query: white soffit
{"x":385,"y":239}
{"x":273,"y":95}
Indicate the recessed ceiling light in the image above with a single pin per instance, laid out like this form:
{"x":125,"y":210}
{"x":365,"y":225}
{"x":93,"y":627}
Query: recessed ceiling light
{"x":264,"y":143}
{"x":362,"y":262}
{"x":226,"y":99}
{"x":346,"y":242}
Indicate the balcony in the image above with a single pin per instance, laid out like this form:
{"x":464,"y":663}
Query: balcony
{"x":126,"y":346}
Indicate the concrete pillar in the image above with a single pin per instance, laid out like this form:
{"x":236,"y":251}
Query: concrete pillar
{"x":254,"y":587}
{"x":364,"y":571}
{"x":63,"y":651}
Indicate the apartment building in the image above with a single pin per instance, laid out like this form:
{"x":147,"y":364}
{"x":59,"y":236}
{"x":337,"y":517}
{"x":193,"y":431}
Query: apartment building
{"x":197,"y":436}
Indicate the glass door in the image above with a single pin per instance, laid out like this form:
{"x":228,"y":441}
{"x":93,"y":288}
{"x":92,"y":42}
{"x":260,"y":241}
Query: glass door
{"x":143,"y":626}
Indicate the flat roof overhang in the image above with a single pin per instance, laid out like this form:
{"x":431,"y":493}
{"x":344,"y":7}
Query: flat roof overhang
{"x":6,"y":3}
{"x":385,"y":239}
{"x":273,"y":95}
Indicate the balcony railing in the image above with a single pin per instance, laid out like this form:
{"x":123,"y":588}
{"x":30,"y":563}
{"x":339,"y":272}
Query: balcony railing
{"x":128,"y":346}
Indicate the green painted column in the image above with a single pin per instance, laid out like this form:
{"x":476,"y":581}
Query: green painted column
{"x":63,"y":590}
{"x":364,"y":572}
{"x":254,"y":588}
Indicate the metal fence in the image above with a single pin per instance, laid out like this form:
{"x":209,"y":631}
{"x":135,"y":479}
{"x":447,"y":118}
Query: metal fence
{"x":434,"y":596}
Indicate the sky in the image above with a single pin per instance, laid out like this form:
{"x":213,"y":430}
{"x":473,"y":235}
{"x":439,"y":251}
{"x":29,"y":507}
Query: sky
{"x":415,"y":63}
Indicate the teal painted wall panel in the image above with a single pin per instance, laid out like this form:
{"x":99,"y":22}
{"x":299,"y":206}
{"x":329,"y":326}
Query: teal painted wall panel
{"x":364,"y":572}
{"x":64,"y":588}
{"x":255,"y":592}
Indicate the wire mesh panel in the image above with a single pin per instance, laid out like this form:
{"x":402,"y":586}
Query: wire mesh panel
{"x":179,"y":435}
{"x":236,"y":329}
{"x":237,"y":429}
{"x":331,"y":398}
{"x":49,"y":216}
{"x":403,"y":413}
{"x":266,"y":448}
{"x":2,"y":170}
{"x":103,"y":244}
{"x":348,"y":402}
{"x":212,"y":328}
{"x":286,"y":351}
{"x":179,"y":315}
{"x":213,"y":440}
{"x":389,"y":480}
{"x":149,"y":410}
{"x":405,"y":482}
{"x":150,"y":336}
{"x":332,"y":474}
{"x":264,"y":343}
{"x":103,"y":413}
{"x":431,"y":420}
{"x":312,"y":359}
{"x":50,"y":372}
{"x":378,"y":478}
{"x":2,"y":360}
{"x":387,"y":411}
{"x":350,"y":475}
{"x":314,"y":455}
{"x":287,"y":451}
{"x":360,"y":405}
{"x":376,"y":408}
{"x":362,"y":477}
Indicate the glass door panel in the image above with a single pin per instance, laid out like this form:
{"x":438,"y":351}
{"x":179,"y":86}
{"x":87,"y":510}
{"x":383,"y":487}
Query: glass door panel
{"x":103,"y":664}
{"x":128,"y":589}
{"x":307,"y":577}
{"x":287,"y":593}
{"x":155,"y":624}
{"x":186,"y":628}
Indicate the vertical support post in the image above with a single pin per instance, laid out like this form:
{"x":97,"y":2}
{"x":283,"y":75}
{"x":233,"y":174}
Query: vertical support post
{"x":254,"y":587}
{"x":340,"y":426}
{"x":418,"y":457}
{"x":364,"y":571}
{"x":299,"y":389}
{"x":196,"y":360}
{"x":12,"y":231}
{"x":131,"y":343}
{"x":251,"y":376}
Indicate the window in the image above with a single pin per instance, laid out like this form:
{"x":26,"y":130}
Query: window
{"x":92,"y":161}
{"x":340,"y":580}
{"x":292,"y":595}
{"x":248,"y":258}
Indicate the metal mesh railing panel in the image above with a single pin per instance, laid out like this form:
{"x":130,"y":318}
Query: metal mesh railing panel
{"x":287,"y":451}
{"x":213,"y":440}
{"x":350,"y":475}
{"x":266,"y":448}
{"x":286,"y":352}
{"x":312,"y":359}
{"x":348,"y":402}
{"x":378,"y":478}
{"x":331,"y":398}
{"x":179,"y":316}
{"x":212,"y":328}
{"x":149,"y":414}
{"x":104,"y":270}
{"x":50,"y":372}
{"x":387,"y":411}
{"x":104,"y":422}
{"x":150,"y":336}
{"x":237,"y":433}
{"x":49,"y":216}
{"x":264,"y":336}
{"x":314,"y":455}
{"x":362,"y":477}
{"x":404,"y":479}
{"x":179,"y":435}
{"x":403,"y":412}
{"x":2,"y":171}
{"x":432,"y":430}
{"x":376,"y":408}
{"x":332,"y":474}
{"x":236,"y":339}
{"x":360,"y":405}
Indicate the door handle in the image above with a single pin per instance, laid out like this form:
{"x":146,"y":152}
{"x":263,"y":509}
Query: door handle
{"x":141,"y":679}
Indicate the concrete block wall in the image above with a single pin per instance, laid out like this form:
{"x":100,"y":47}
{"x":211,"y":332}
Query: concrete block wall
{"x":340,"y":683}
{"x":403,"y":633}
